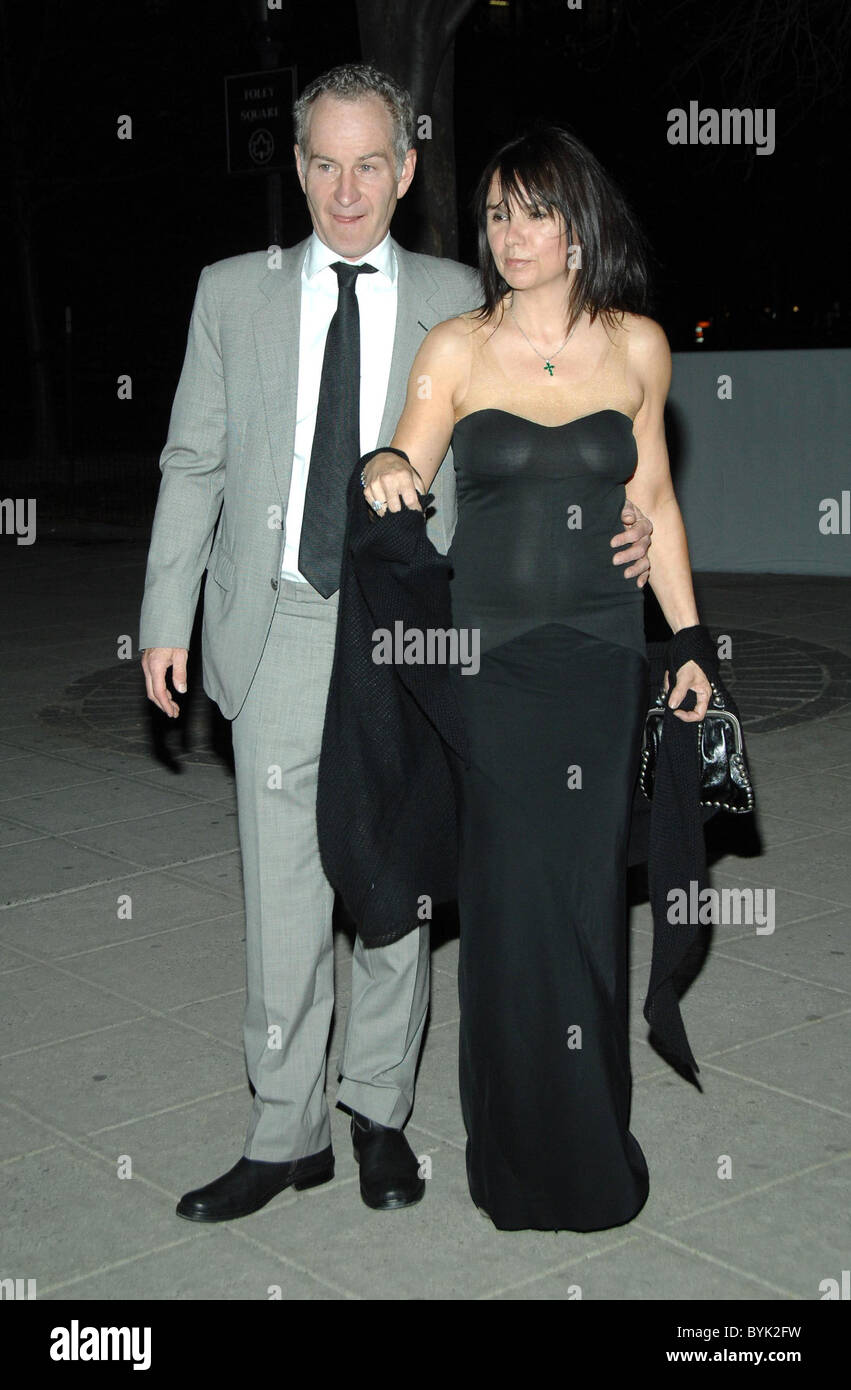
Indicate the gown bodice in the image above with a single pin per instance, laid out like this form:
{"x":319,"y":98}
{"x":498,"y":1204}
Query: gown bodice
{"x":537,"y":508}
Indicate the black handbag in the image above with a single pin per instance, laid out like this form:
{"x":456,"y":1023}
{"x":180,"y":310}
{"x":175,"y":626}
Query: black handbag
{"x":725,"y":780}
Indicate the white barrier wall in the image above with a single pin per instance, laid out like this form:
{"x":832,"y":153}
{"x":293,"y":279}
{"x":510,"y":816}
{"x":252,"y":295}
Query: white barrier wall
{"x":757,"y":475}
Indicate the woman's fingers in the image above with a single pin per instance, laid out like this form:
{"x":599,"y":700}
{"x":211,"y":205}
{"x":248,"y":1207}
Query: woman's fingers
{"x":393,"y":488}
{"x":676,"y":698}
{"x":375,"y":494}
{"x":691,"y":716}
{"x":690,"y":677}
{"x":409,"y":495}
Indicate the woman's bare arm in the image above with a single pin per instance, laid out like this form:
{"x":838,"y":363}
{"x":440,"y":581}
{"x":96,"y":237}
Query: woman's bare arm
{"x":653,"y":490}
{"x":437,"y":382}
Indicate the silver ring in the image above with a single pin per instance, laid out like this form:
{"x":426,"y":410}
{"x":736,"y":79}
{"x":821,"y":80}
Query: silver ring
{"x":362,"y":479}
{"x":376,"y":506}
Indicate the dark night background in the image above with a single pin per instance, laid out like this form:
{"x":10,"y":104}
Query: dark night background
{"x":121,"y":229}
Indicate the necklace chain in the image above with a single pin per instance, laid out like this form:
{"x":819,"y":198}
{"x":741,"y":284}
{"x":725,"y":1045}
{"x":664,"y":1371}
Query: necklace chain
{"x":547,"y":358}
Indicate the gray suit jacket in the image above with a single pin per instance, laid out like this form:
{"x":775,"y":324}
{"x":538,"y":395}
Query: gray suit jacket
{"x":230,"y":450}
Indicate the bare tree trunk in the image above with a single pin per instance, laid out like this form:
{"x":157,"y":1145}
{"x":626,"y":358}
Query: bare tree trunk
{"x":44,"y":444}
{"x":413,"y":41}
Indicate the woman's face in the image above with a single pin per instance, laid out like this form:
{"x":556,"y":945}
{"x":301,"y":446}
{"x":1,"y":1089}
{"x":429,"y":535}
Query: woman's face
{"x":529,"y":248}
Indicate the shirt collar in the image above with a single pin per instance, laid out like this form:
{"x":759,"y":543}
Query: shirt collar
{"x":381,"y":256}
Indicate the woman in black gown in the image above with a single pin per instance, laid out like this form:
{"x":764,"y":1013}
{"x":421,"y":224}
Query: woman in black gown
{"x":552,"y":396}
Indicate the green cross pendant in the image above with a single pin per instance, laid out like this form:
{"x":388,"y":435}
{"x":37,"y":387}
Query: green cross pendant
{"x":548,"y":367}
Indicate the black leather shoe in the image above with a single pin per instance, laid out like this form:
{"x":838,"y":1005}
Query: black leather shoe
{"x":389,"y":1170}
{"x":250,"y":1184}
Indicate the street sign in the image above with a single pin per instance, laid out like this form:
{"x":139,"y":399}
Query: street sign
{"x":258,"y":118}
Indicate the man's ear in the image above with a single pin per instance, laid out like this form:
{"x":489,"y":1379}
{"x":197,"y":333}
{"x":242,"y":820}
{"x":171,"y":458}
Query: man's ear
{"x":407,"y":174}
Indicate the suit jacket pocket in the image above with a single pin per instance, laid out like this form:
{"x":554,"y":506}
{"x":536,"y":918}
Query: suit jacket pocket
{"x":222,"y":567}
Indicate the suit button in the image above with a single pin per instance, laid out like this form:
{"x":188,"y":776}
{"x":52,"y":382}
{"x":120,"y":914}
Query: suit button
{"x":274,"y":583}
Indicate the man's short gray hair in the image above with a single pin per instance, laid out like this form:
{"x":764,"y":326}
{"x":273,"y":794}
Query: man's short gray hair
{"x":352,"y":82}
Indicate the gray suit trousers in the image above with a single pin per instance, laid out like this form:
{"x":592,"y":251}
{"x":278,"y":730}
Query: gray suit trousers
{"x":277,"y":737}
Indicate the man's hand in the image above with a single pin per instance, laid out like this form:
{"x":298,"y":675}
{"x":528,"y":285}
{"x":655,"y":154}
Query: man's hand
{"x":637,"y":538}
{"x":155,"y":663}
{"x":391,"y":481}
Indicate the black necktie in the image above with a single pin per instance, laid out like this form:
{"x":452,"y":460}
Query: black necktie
{"x":336,"y":439}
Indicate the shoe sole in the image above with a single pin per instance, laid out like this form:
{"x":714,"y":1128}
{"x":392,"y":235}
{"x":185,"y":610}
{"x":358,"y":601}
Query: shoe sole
{"x":301,"y":1184}
{"x":393,"y":1205}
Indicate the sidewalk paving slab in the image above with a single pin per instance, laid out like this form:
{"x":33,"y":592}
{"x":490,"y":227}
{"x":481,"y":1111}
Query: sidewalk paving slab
{"x":121,"y":1033}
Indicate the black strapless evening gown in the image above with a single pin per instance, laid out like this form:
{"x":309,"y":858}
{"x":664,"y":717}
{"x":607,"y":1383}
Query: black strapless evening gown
{"x":554,"y":718}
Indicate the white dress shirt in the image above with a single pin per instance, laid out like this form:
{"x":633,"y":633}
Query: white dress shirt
{"x":377,"y":312}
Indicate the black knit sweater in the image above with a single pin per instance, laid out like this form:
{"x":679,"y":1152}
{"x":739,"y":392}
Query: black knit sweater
{"x":385,"y":809}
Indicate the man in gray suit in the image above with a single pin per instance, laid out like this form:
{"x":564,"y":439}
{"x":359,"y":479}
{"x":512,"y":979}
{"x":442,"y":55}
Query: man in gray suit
{"x":255,"y":394}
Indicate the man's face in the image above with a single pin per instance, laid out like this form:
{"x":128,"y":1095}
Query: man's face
{"x":349,"y":173}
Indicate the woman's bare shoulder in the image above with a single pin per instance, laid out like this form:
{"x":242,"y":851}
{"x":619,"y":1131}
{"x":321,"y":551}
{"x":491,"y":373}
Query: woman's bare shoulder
{"x":450,"y":343}
{"x":646,"y":354}
{"x":454,"y":334}
{"x":644,"y":338}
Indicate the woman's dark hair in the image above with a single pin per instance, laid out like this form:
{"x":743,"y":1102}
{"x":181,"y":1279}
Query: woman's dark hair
{"x":548,"y":169}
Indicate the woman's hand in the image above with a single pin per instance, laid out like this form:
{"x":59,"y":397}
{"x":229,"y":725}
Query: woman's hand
{"x":689,"y":677}
{"x":391,"y":481}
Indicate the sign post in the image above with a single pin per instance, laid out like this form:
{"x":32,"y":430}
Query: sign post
{"x":258,"y":121}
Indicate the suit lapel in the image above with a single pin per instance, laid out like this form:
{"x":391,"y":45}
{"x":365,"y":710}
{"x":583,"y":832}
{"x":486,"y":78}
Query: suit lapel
{"x":415,"y":315}
{"x":276,"y":339}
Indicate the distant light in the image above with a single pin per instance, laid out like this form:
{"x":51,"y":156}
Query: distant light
{"x":794,"y":308}
{"x":704,"y":323}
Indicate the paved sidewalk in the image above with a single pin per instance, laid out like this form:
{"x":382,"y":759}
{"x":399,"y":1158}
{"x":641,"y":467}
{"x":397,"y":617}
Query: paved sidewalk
{"x":121,"y":991}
